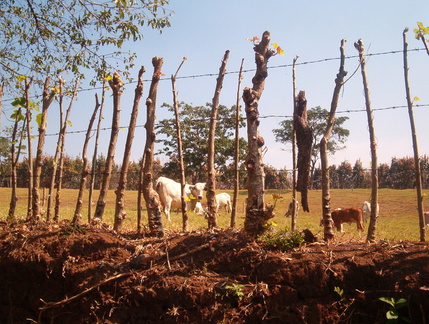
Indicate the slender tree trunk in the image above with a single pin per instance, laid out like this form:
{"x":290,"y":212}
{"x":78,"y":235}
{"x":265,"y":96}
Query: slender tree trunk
{"x":236,"y":150}
{"x":94,"y":156}
{"x":57,"y":152}
{"x":139,"y":197}
{"x":374,"y":175}
{"x":211,"y":177}
{"x":419,"y":192}
{"x":257,"y":214}
{"x":294,"y":215}
{"x":185,"y":220}
{"x":1,"y":99}
{"x":62,"y":140}
{"x":85,"y":171}
{"x":151,"y":197}
{"x":326,"y":197}
{"x":46,"y":102}
{"x":14,"y":161}
{"x":116,"y":85}
{"x":30,"y":150}
{"x":61,"y":135}
{"x":120,"y":212}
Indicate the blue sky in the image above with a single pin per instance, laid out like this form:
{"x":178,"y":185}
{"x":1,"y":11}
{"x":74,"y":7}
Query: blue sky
{"x":203,"y":30}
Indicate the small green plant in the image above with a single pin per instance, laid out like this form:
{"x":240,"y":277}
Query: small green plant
{"x":339,"y":291}
{"x":283,"y":240}
{"x":235,"y":290}
{"x":392,"y":315}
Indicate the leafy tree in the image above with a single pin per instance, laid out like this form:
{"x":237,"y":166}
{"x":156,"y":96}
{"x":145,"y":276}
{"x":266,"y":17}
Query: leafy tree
{"x":49,"y":37}
{"x":384,"y":176}
{"x":345,"y":175}
{"x":402,"y":173}
{"x":276,"y":179}
{"x":317,"y":121}
{"x":195,"y":128}
{"x":358,"y":175}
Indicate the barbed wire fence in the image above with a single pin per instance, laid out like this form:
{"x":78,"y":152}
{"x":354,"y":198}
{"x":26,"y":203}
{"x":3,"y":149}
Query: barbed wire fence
{"x":282,"y":66}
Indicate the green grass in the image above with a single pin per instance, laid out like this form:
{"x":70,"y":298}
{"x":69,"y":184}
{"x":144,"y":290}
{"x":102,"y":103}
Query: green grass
{"x":398,"y":211}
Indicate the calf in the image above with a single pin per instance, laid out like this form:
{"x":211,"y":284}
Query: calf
{"x":290,"y":207}
{"x":223,"y":200}
{"x":347,"y":215}
{"x":199,"y":209}
{"x":366,"y":210}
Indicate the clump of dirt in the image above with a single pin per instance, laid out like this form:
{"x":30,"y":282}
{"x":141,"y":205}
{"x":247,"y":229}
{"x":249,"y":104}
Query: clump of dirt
{"x":89,"y":274}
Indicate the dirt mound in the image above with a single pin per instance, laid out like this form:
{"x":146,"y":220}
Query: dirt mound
{"x":89,"y":274}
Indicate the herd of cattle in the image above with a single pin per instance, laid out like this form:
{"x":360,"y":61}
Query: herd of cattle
{"x":169,"y":192}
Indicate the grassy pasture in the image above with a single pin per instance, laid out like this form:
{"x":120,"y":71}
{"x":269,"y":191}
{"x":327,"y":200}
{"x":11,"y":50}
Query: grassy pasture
{"x":398,"y":211}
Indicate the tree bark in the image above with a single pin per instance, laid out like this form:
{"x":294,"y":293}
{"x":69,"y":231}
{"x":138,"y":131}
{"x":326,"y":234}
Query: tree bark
{"x":120,"y":212}
{"x":373,"y":144}
{"x":304,"y":139}
{"x":211,"y":176}
{"x":85,"y":171}
{"x":419,"y":188}
{"x":48,"y":96}
{"x":94,"y":156}
{"x":326,"y":198}
{"x":257,"y":213}
{"x":236,"y":150}
{"x":30,"y":150}
{"x":139,"y":197}
{"x":153,"y":204}
{"x":294,"y":169}
{"x":185,"y":220}
{"x":14,"y":161}
{"x":2,"y":83}
{"x":116,"y":85}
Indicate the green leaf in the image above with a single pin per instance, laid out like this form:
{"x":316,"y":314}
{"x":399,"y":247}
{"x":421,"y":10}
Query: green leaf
{"x":21,"y":78}
{"x":392,"y":314}
{"x":19,"y":102}
{"x":69,"y":123}
{"x":390,"y":301}
{"x":401,"y":303}
{"x":39,"y":119}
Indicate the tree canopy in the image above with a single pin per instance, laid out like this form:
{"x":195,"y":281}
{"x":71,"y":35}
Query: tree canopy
{"x":49,"y":37}
{"x":194,"y":124}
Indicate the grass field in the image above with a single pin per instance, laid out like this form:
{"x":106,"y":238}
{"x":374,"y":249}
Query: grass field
{"x":398,"y":211}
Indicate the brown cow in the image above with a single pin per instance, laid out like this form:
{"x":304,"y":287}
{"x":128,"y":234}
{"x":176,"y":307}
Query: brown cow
{"x":348,"y":215}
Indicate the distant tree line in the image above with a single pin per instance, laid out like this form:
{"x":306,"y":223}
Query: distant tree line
{"x":398,"y":175}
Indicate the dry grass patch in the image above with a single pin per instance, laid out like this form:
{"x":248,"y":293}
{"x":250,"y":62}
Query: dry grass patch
{"x":398,"y":211}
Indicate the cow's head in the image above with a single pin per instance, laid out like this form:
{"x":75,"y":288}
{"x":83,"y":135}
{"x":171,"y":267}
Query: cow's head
{"x":197,"y":190}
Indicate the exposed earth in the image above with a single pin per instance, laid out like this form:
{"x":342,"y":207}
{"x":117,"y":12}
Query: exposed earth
{"x":54,"y":273}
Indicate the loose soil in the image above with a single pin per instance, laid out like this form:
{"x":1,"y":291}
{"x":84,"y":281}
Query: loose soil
{"x":56,"y":273}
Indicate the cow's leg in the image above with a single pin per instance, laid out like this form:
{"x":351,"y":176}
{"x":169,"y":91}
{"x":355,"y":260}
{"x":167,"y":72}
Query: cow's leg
{"x":167,"y":210}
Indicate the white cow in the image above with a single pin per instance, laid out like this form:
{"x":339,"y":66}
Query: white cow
{"x":170,"y":194}
{"x":199,"y":209}
{"x":223,"y":200}
{"x":366,"y":210}
{"x":290,"y":207}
